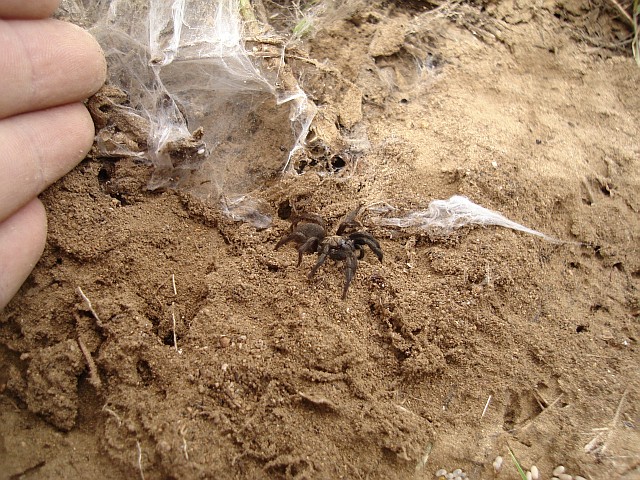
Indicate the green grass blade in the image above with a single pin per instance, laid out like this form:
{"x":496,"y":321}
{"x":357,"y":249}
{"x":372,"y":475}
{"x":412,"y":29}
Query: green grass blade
{"x":517,"y":464}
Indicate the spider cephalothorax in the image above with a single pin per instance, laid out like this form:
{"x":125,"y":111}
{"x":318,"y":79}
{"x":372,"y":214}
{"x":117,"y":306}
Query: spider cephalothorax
{"x":309,"y":232}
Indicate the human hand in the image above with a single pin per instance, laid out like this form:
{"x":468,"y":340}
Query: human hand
{"x":47,"y":67}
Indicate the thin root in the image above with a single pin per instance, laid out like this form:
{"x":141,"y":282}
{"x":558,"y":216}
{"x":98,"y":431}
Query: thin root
{"x":88,"y":303}
{"x":94,"y":378}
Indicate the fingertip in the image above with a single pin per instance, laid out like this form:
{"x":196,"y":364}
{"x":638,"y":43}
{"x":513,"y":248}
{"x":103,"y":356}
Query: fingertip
{"x":39,"y":148}
{"x":81,"y":55}
{"x":45,"y":63}
{"x":77,"y":146}
{"x":30,"y":9}
{"x":59,"y":156}
{"x":38,"y":217}
{"x":22,"y":240}
{"x":95,"y":64}
{"x":86,"y":137}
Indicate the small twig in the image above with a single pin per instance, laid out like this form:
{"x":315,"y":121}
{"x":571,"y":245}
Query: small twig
{"x":320,"y":66}
{"x":598,"y":445}
{"x":540,"y":400}
{"x":94,"y":378}
{"x":173,"y":317}
{"x":88,"y":303}
{"x":554,"y":402}
{"x":173,"y":312}
{"x":616,"y":417}
{"x":624,"y":13}
{"x":183,"y":432}
{"x":530,"y":422}
{"x":184,"y":449}
{"x":249,"y":17}
{"x":635,"y":43}
{"x":140,"y":459}
{"x":486,"y":406}
{"x":113,"y":414}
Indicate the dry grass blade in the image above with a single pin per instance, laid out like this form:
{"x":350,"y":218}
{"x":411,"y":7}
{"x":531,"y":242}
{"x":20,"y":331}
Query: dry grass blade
{"x":624,"y":12}
{"x":139,"y":448}
{"x":598,"y":445}
{"x":635,"y":43}
{"x":88,"y":303}
{"x":634,"y":21}
{"x":94,"y":378}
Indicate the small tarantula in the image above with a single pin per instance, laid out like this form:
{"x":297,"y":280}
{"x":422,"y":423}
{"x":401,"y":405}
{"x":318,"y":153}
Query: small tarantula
{"x":309,"y":232}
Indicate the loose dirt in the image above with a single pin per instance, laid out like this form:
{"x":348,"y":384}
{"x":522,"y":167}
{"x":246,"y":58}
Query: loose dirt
{"x":449,"y":352}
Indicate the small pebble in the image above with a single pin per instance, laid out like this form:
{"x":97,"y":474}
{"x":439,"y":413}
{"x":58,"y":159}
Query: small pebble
{"x":528,"y":475}
{"x":457,"y":472}
{"x":449,"y":476}
{"x":535,"y":473}
{"x":578,"y":477}
{"x":441,"y":473}
{"x":224,"y":341}
{"x":558,"y":470}
{"x":497,"y":463}
{"x":163,"y":446}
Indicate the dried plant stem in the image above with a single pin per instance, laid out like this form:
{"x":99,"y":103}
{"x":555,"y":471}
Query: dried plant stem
{"x":94,"y":378}
{"x":183,"y":432}
{"x":614,"y":421}
{"x":88,"y":303}
{"x":597,"y":445}
{"x":173,"y":317}
{"x":635,"y":43}
{"x":249,"y":17}
{"x":531,"y":421}
{"x":486,"y":406}
{"x":113,"y":414}
{"x":624,"y":13}
{"x":173,"y":312}
{"x":140,"y":459}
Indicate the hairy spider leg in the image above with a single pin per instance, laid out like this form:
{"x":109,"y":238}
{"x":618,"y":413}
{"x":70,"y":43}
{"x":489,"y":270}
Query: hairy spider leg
{"x":309,"y":218}
{"x":362,"y":239}
{"x":344,"y":252}
{"x":350,"y":266}
{"x":311,"y":245}
{"x":321,"y":259}
{"x":295,"y":237}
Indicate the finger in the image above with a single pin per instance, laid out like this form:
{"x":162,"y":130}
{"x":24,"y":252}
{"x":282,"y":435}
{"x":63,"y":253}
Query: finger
{"x":37,"y":149}
{"x":22,"y":240}
{"x":45,"y":63}
{"x":28,"y":9}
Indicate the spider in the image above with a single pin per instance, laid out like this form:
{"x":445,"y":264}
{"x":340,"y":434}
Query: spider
{"x":309,"y":232}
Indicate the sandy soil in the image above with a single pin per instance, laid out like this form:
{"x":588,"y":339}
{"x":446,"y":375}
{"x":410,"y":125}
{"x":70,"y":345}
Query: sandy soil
{"x":449,"y":352}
